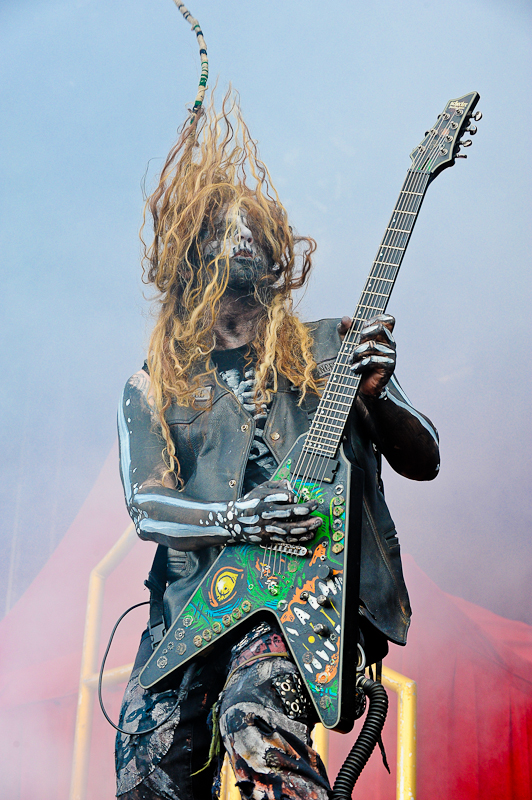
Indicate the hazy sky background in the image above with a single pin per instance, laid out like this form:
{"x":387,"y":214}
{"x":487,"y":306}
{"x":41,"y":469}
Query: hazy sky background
{"x":337,"y":95}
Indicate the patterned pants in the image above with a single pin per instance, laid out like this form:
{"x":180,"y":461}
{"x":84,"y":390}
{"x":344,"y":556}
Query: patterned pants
{"x":264,"y":729}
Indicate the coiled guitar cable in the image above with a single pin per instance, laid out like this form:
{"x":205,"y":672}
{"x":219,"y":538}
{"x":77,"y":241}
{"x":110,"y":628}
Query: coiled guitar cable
{"x":100,"y":678}
{"x":366,"y":740}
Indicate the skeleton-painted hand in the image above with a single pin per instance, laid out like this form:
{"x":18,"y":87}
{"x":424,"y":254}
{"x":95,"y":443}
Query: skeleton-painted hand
{"x":270,"y":512}
{"x":374,"y":356}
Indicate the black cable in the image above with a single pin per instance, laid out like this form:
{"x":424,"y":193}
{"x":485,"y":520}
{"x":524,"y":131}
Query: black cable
{"x":109,"y":720}
{"x":366,"y":741}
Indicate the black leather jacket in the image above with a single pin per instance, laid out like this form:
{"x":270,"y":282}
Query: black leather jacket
{"x":213,"y":441}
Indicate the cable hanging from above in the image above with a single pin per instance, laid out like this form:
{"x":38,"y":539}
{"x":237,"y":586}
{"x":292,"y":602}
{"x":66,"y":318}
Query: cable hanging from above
{"x":202,"y":87}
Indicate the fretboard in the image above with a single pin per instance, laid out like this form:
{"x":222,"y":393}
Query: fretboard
{"x":329,"y":421}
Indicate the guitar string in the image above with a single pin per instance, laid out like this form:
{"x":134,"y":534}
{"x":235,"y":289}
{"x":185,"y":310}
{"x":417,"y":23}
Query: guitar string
{"x":411,"y":185}
{"x":336,"y":383}
{"x":338,"y":377}
{"x":396,"y":238}
{"x":382,"y":275}
{"x":393,"y":239}
{"x":365,"y":308}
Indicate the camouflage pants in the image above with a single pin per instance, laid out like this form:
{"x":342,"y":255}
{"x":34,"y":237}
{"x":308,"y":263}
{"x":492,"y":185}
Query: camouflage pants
{"x":264,"y":723}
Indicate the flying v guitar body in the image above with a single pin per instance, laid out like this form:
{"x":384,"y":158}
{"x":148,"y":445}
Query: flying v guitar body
{"x":311,"y":589}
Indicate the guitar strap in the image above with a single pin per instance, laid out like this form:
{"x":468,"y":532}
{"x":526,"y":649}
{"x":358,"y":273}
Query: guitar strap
{"x":156,"y":583}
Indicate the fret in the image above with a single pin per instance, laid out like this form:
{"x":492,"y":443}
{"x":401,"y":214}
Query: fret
{"x":339,"y":380}
{"x":328,"y":424}
{"x":402,"y":211}
{"x":343,"y":384}
{"x":319,"y":413}
{"x":399,"y":230}
{"x":420,"y":194}
{"x":379,"y":294}
{"x":385,"y":264}
{"x":388,"y":255}
{"x":339,"y":402}
{"x":386,"y":279}
{"x":341,"y":411}
{"x":394,"y":247}
{"x":323,"y":439}
{"x":321,"y":450}
{"x":318,"y":448}
{"x":322,"y":420}
{"x":339,"y":377}
{"x":371,"y":308}
{"x":375,"y":285}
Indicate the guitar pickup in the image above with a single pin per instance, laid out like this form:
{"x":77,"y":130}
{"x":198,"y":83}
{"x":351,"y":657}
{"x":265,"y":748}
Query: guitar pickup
{"x":320,"y":468}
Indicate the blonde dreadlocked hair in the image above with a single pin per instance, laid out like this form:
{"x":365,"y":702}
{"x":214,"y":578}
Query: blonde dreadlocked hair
{"x":213,"y":173}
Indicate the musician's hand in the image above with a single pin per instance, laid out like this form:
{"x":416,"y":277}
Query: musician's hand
{"x":344,"y":325}
{"x":374,"y":357}
{"x":270,"y":512}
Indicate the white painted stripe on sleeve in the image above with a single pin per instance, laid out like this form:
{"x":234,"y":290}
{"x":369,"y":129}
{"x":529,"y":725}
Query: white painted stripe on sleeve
{"x":179,"y":502}
{"x":176,"y":529}
{"x":125,"y":450}
{"x":396,"y":386}
{"x":414,"y":413}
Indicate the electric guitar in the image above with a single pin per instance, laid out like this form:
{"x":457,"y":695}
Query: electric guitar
{"x":313,"y":589}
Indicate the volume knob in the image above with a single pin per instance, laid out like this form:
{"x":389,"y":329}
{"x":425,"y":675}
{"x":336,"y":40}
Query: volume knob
{"x":324,"y":571}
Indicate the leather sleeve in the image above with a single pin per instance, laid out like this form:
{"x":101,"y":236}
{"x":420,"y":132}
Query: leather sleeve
{"x":161,"y":514}
{"x":407,"y":439}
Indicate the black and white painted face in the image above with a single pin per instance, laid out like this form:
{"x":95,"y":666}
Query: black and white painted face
{"x":248,"y":260}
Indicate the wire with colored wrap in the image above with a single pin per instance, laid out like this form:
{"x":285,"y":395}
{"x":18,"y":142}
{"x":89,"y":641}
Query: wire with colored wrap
{"x":202,"y":87}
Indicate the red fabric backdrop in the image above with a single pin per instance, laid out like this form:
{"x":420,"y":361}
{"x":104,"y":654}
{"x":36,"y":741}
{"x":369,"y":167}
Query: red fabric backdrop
{"x":473,"y":669}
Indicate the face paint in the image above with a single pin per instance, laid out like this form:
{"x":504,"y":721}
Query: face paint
{"x":248,"y":260}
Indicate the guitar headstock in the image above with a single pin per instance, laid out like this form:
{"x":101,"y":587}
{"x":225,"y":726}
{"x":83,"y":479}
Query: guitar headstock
{"x":442,"y":143}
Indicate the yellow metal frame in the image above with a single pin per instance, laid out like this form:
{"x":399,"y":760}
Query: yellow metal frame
{"x":405,"y":688}
{"x":89,"y":662}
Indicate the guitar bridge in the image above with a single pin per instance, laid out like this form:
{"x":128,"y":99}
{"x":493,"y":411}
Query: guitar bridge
{"x":286,"y":549}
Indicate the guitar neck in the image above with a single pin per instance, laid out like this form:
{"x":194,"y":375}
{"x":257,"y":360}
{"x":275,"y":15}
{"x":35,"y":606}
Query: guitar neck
{"x":329,"y":421}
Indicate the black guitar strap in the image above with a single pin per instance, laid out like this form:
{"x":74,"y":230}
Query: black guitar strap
{"x":156,"y":583}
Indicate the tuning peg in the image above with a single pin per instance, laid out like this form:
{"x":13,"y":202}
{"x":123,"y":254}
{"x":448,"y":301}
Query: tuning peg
{"x":458,"y":155}
{"x":471,"y":130}
{"x":465,"y":142}
{"x":477,"y":116}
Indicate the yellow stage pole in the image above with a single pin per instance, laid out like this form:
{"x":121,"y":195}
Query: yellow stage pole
{"x":405,"y":689}
{"x":89,"y":662}
{"x":320,"y":737}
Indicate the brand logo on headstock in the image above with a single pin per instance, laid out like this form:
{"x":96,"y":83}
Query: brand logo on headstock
{"x":457,"y":104}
